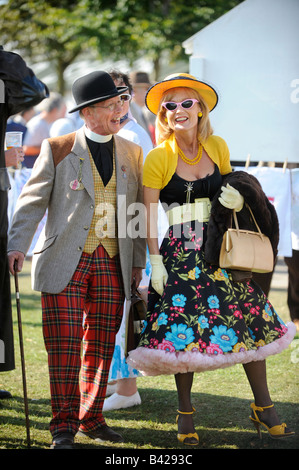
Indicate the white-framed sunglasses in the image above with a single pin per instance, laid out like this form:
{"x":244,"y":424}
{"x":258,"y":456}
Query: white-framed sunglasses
{"x":125,"y":97}
{"x":186,"y":104}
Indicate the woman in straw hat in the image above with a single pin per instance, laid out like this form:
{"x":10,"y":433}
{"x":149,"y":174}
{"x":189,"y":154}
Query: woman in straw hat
{"x":198,"y":317}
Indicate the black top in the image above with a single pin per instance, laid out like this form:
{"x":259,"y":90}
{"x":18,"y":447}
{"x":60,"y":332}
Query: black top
{"x":176,"y":190}
{"x":102,"y":154}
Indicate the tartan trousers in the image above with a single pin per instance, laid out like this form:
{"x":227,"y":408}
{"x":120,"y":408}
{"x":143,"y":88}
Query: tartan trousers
{"x":86,"y":313}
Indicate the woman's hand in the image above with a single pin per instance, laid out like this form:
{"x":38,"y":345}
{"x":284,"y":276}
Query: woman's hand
{"x":231,"y":198}
{"x":159,"y":273}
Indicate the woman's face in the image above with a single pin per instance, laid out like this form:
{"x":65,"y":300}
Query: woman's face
{"x":182,"y":119}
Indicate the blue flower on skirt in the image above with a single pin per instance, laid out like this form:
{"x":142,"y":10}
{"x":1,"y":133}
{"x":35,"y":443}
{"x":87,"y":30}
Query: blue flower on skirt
{"x":162,"y":319}
{"x":213,"y":301}
{"x":180,"y":336}
{"x":144,"y":326}
{"x":251,"y":334}
{"x":268,"y":309}
{"x":197,"y":272}
{"x":179,"y":300}
{"x":225,"y":338}
{"x":224,"y":272}
{"x":203,"y":322}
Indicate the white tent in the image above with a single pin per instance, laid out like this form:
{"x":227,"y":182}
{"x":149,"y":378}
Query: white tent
{"x":251,"y":56}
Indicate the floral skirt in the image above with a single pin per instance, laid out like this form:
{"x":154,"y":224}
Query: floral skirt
{"x":204,"y":320}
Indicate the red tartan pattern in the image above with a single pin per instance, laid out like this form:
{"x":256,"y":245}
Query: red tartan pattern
{"x":87,"y":312}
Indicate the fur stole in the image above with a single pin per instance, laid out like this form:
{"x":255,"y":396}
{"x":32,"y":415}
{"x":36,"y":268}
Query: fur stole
{"x":221,"y":217}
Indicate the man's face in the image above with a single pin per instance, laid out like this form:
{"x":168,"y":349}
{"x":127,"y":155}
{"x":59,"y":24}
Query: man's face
{"x":104,"y":118}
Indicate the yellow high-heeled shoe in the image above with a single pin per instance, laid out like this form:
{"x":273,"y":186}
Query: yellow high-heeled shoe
{"x":276,"y":432}
{"x":190,"y":439}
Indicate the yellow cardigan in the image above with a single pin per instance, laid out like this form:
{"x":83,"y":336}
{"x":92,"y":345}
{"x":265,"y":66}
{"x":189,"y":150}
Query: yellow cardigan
{"x":161,"y":162}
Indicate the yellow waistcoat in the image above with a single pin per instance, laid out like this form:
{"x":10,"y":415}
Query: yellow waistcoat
{"x":103,"y":229}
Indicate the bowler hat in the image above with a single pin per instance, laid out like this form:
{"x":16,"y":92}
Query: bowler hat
{"x":155,"y":93}
{"x":93,"y":88}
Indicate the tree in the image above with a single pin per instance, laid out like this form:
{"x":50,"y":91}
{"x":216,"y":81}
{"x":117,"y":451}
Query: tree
{"x":47,"y":30}
{"x":59,"y":31}
{"x":148,"y":28}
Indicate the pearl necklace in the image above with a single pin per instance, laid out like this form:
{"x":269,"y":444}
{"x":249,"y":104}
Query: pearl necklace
{"x":195,"y":160}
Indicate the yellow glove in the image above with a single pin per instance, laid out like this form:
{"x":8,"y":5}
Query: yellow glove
{"x":159,"y":273}
{"x":231,"y":198}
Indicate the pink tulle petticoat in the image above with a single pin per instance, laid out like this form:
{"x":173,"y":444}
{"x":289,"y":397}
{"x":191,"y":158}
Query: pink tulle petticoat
{"x":159,"y":362}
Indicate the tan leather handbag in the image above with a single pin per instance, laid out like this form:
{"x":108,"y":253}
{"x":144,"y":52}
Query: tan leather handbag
{"x":245,"y":250}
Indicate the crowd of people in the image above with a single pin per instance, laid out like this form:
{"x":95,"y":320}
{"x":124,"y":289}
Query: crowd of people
{"x":129,"y":141}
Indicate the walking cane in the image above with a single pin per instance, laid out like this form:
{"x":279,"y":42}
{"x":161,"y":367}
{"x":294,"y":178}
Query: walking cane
{"x":22,"y":353}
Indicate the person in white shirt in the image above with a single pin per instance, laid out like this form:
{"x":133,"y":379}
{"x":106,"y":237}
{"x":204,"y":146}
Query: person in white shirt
{"x":38,"y":128}
{"x":122,"y":383}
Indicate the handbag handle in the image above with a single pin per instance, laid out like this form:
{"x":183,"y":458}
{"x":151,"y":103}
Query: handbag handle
{"x":237,"y":224}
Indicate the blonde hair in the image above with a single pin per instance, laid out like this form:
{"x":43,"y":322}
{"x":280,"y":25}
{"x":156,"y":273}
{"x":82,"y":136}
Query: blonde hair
{"x":163,"y":131}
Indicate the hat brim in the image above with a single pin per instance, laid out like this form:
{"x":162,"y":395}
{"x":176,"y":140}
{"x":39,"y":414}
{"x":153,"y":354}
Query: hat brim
{"x":155,"y":93}
{"x":120,"y":91}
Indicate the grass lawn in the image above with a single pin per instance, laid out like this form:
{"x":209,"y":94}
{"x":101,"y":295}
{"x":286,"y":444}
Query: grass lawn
{"x":221,"y":398}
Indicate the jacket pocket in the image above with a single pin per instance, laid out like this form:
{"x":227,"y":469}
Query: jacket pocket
{"x":47,"y":243}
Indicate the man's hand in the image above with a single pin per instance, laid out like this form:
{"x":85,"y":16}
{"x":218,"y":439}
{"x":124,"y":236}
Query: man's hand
{"x":136,"y":276}
{"x":14,"y":156}
{"x":15,"y":256}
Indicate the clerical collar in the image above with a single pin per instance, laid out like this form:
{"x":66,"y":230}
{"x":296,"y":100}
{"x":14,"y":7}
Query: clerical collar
{"x":96,"y":137}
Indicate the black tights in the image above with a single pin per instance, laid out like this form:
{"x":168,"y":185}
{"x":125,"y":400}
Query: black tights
{"x":257,"y":377}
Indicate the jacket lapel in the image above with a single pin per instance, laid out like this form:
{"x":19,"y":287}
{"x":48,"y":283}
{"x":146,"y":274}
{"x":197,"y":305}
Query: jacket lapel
{"x":80,"y":151}
{"x":122,"y":166}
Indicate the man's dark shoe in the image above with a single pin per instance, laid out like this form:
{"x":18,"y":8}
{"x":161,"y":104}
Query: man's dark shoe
{"x":4,"y":394}
{"x":103,"y":433}
{"x":64,"y":440}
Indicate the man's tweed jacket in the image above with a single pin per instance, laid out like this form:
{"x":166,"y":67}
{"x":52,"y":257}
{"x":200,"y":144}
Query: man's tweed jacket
{"x":69,"y":212}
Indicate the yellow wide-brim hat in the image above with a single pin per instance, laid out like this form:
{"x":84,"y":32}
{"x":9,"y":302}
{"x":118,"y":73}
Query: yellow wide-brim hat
{"x":155,"y":93}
